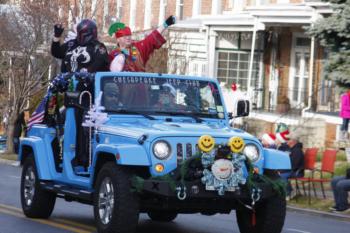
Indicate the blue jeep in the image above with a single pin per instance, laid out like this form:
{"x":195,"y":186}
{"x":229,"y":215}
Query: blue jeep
{"x":130,"y":143}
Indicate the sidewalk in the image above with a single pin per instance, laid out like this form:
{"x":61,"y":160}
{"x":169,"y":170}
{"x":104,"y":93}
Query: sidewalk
{"x":344,"y":217}
{"x":291,"y":205}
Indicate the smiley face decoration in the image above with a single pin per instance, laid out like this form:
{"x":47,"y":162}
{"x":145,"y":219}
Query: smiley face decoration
{"x":236,"y":144}
{"x":222,"y":173}
{"x":206,"y":143}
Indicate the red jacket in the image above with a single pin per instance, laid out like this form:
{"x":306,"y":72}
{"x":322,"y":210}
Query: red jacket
{"x":144,"y":48}
{"x":345,"y":106}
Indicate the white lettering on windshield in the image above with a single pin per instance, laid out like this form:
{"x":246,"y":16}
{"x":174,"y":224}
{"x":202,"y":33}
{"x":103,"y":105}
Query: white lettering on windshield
{"x":134,"y":80}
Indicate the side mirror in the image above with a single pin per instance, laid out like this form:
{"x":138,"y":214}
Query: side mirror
{"x":241,"y":108}
{"x":71,"y":99}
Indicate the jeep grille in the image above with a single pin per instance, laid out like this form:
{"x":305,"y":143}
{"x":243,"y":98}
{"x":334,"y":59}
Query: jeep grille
{"x":185,"y":151}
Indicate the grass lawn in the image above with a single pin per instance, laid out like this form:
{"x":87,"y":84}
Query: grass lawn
{"x":8,"y":156}
{"x":316,"y":203}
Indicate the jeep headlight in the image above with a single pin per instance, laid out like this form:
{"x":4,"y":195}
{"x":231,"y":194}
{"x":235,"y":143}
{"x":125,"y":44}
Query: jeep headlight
{"x":161,"y":150}
{"x":252,"y":152}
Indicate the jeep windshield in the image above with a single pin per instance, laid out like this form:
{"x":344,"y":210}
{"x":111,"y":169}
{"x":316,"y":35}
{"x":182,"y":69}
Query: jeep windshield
{"x":161,"y":96}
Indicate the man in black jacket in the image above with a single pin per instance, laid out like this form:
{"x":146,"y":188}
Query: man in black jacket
{"x":82,"y":54}
{"x":296,"y":156}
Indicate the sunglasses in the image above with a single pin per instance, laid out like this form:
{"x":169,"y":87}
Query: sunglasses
{"x":111,"y":95}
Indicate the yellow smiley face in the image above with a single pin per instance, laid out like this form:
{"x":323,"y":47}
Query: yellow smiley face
{"x":206,"y":143}
{"x":236,"y":144}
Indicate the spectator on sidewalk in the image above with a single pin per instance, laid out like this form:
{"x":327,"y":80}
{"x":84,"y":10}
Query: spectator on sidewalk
{"x":268,"y":140}
{"x":296,"y":156}
{"x":281,"y":141}
{"x":20,"y":124}
{"x":345,"y":114}
{"x":340,"y":188}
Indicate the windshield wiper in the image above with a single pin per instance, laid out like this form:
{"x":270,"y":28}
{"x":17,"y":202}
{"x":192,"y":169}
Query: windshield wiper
{"x":198,"y":119}
{"x":125,"y":111}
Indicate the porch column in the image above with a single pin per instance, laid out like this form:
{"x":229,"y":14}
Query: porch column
{"x":211,"y":53}
{"x":249,"y":89}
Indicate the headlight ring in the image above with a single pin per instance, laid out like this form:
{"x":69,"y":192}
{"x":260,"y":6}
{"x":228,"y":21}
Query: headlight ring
{"x":252,"y":152}
{"x":162,"y":149}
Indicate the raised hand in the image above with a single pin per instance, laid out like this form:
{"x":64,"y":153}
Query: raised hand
{"x":170,"y":21}
{"x":58,"y":30}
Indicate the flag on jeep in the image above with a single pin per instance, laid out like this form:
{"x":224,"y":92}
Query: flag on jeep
{"x":39,"y":113}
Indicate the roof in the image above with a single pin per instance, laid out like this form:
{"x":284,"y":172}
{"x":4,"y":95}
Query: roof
{"x":235,"y":22}
{"x":274,"y":14}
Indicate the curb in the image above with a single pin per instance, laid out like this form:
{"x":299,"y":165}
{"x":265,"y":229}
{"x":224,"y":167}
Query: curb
{"x":10,"y":162}
{"x":343,"y":217}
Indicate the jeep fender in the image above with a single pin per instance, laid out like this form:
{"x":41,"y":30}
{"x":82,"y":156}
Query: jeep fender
{"x":126,"y":154}
{"x":276,"y":160}
{"x":39,"y":153}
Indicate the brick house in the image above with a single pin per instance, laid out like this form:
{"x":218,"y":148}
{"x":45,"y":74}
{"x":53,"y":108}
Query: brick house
{"x":283,"y":79}
{"x":261,"y":45}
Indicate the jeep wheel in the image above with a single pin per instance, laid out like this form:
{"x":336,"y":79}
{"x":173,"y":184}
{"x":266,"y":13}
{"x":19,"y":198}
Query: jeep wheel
{"x":162,"y":216}
{"x":115,"y":205}
{"x":36,"y":202}
{"x":270,"y":216}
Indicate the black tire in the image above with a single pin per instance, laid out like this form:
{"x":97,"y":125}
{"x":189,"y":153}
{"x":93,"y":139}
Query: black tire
{"x":125,"y":206}
{"x":270,"y":216}
{"x":36,"y":202}
{"x":162,"y":216}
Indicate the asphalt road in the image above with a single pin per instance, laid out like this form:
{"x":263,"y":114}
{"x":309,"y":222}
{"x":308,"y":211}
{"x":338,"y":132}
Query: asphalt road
{"x":75,"y":217}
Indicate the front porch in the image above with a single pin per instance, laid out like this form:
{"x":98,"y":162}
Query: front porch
{"x":317,"y":129}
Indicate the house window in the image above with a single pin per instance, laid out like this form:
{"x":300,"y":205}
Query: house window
{"x":93,"y":8}
{"x":105,"y":16}
{"x":81,"y":9}
{"x":180,"y":9}
{"x":148,"y":10}
{"x":196,"y":8}
{"x":162,"y":10}
{"x":233,"y":67}
{"x":119,"y":10}
{"x":132,"y":23}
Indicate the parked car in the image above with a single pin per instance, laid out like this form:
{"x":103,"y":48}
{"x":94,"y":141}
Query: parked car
{"x":151,"y":143}
{"x":3,"y":139}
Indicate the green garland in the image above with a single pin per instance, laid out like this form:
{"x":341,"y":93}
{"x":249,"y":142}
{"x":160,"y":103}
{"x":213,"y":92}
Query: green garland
{"x":279,"y":186}
{"x":138,"y":182}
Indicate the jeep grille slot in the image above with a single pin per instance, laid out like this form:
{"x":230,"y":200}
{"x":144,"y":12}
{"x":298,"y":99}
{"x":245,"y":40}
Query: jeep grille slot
{"x":179,"y":153}
{"x":188,"y":150}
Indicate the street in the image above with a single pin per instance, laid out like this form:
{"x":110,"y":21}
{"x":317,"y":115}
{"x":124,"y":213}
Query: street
{"x":75,"y":217}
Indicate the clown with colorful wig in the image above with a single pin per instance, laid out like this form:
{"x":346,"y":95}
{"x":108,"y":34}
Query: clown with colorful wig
{"x":133,"y":56}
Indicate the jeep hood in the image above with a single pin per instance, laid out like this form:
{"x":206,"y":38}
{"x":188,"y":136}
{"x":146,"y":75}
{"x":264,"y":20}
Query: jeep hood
{"x":171,"y":129}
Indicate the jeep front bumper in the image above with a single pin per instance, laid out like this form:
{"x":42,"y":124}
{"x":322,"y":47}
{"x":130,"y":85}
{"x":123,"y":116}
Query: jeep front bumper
{"x":195,"y":189}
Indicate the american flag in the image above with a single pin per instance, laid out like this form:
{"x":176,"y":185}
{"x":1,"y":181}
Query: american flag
{"x":38,"y":115}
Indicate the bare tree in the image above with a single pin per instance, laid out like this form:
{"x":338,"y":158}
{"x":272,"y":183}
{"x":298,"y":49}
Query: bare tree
{"x":24,"y":42}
